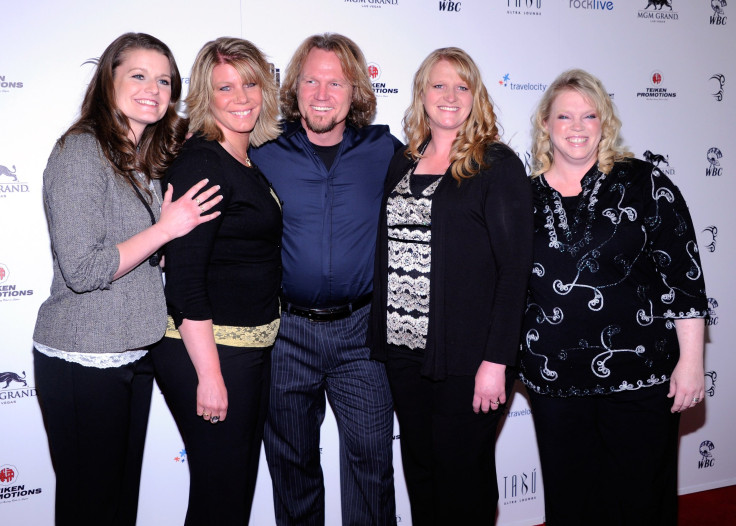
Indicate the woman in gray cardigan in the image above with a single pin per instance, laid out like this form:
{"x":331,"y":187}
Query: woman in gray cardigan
{"x":107,"y":220}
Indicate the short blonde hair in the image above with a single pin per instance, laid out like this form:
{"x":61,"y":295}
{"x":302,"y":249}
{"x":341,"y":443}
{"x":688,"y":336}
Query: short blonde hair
{"x":250,"y":63}
{"x":363,"y":105}
{"x":480,"y":128}
{"x":591,"y":88}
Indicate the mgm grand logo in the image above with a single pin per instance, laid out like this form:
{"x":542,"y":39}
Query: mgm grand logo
{"x":14,"y":386}
{"x":9,"y":181}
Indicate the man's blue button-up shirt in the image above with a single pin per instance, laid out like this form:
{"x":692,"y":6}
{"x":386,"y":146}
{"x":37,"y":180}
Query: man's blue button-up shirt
{"x":330,"y":216}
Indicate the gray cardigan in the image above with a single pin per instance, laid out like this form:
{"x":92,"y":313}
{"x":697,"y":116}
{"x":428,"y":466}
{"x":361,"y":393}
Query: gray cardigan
{"x":89,"y":210}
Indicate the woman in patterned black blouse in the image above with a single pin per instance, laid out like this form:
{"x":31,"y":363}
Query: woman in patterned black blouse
{"x":613,"y":334}
{"x":453,"y":259}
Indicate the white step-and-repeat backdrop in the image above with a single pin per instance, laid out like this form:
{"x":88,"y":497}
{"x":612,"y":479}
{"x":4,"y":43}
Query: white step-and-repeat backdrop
{"x":669,"y":66}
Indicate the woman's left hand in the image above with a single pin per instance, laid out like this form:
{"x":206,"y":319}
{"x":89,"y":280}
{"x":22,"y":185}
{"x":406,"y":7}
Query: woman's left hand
{"x":687,"y":384}
{"x":490,"y":387}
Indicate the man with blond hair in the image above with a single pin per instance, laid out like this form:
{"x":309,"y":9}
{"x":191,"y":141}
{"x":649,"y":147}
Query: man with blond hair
{"x":328,"y":167}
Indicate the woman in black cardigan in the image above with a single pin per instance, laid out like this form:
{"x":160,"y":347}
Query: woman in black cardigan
{"x":453,"y":259}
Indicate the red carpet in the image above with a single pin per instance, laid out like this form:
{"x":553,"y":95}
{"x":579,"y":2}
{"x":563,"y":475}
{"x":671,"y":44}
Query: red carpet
{"x":716,"y":507}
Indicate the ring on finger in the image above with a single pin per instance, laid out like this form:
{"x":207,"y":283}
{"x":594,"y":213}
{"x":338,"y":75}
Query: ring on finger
{"x":215,"y":419}
{"x":199,"y":203}
{"x":205,"y":415}
{"x":201,"y":208}
{"x":696,"y":400}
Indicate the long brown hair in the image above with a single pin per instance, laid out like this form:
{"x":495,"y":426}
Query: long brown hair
{"x":478,"y":131}
{"x":354,"y":67}
{"x":101,"y":117}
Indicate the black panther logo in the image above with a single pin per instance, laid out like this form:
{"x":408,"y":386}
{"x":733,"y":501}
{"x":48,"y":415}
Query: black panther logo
{"x":8,"y":377}
{"x":660,"y":3}
{"x":655,"y":158}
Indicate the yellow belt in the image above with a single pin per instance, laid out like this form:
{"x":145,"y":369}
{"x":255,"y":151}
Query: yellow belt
{"x":261,"y":336}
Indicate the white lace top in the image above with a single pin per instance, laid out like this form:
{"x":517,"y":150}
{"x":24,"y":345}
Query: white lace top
{"x":409,"y":259}
{"x":103,"y":360}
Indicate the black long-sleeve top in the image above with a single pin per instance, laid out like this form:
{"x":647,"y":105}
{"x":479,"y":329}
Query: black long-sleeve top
{"x":481,"y":258}
{"x":611,"y":274}
{"x":228,"y":269}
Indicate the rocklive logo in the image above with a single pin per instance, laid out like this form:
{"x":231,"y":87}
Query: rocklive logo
{"x":450,"y":6}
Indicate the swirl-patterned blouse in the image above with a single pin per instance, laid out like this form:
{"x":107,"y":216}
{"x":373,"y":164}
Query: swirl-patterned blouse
{"x":612,"y":271}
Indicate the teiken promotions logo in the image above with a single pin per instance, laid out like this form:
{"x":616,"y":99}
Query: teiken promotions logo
{"x":8,"y":474}
{"x":10,"y":291}
{"x":7,"y":84}
{"x":381,"y":89}
{"x":657,"y":89}
{"x":12,"y":488}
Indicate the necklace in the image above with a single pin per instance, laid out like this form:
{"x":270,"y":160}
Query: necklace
{"x":243,"y":159}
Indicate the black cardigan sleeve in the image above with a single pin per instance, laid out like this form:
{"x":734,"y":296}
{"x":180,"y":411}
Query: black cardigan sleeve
{"x":509,"y":220}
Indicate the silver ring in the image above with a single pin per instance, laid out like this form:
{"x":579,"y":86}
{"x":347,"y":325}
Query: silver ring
{"x":696,"y":400}
{"x":496,"y":402}
{"x":215,"y":419}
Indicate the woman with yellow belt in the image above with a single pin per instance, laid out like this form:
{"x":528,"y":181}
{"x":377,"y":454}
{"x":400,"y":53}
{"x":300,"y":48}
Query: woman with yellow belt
{"x":222,"y":285}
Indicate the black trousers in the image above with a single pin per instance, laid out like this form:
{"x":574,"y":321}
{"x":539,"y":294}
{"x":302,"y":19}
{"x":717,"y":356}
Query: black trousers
{"x":223,"y":457}
{"x":96,"y":423}
{"x":608,"y":460}
{"x":447,"y":450}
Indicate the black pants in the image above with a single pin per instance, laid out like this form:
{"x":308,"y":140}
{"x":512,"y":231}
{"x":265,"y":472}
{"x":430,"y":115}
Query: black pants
{"x":608,"y":460}
{"x":223,"y":457}
{"x":447,"y":450}
{"x":96,"y":423}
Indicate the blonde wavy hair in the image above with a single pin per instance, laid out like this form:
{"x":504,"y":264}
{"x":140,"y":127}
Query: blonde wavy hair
{"x":363,"y":105}
{"x":250,"y":63}
{"x":480,"y":128}
{"x":610,"y":149}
